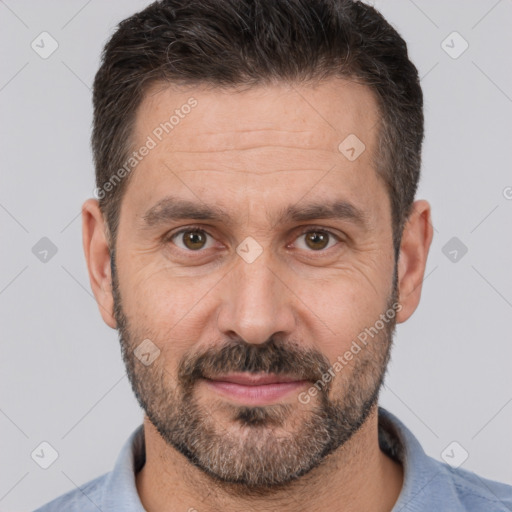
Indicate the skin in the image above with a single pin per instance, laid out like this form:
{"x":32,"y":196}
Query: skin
{"x":253,"y":153}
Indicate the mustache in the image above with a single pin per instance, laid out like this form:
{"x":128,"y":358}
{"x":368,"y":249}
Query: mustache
{"x":240,"y":356}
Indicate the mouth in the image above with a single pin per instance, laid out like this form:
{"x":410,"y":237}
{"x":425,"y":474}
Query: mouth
{"x":254,"y":389}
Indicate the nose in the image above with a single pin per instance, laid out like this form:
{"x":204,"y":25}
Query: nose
{"x":256,"y":302}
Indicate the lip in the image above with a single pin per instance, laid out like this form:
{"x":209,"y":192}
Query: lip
{"x":254,"y":389}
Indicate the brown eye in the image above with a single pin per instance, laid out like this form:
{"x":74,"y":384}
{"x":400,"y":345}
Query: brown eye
{"x":194,"y":240}
{"x":317,"y":240}
{"x":191,"y":239}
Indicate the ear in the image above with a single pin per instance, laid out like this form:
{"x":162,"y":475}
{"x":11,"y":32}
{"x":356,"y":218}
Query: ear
{"x":97,"y":255}
{"x":414,"y":247}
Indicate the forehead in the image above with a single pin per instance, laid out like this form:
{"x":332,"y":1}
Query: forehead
{"x":280,"y":141}
{"x":316,"y":116}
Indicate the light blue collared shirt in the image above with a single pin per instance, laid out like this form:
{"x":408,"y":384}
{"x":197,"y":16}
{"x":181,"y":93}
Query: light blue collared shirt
{"x":429,"y":485}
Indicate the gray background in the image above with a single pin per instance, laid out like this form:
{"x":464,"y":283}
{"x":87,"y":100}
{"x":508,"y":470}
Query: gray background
{"x":61,"y":375}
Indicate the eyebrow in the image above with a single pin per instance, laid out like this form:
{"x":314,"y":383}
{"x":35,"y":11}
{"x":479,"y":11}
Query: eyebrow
{"x":172,"y":208}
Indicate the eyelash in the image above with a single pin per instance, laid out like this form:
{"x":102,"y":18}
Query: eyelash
{"x":315,"y":229}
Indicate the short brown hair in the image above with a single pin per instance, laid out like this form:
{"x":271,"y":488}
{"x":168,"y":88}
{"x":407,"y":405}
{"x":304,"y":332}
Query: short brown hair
{"x":241,"y":43}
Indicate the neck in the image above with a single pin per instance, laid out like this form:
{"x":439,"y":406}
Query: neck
{"x":357,"y":476}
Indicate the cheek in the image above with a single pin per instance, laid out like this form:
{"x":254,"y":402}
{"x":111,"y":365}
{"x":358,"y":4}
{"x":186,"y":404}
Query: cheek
{"x":339,"y":308}
{"x":157,"y":293}
{"x":164,"y":307}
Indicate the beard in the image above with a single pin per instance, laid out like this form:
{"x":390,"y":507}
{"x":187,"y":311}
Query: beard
{"x":255,"y":449}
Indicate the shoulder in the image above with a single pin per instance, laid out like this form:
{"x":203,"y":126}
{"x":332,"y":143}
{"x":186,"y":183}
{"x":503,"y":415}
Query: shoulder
{"x":430,"y":484}
{"x":479,"y":494}
{"x":87,"y":497}
{"x":112,"y":491}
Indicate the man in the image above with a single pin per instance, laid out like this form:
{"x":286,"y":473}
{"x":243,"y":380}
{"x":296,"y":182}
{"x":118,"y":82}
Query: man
{"x":255,"y":242}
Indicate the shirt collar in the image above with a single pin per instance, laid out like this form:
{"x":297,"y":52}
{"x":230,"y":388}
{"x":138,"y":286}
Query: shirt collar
{"x":421,"y":472}
{"x":120,"y":489}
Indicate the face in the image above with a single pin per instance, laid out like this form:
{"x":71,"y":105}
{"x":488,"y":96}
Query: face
{"x":255,"y":253}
